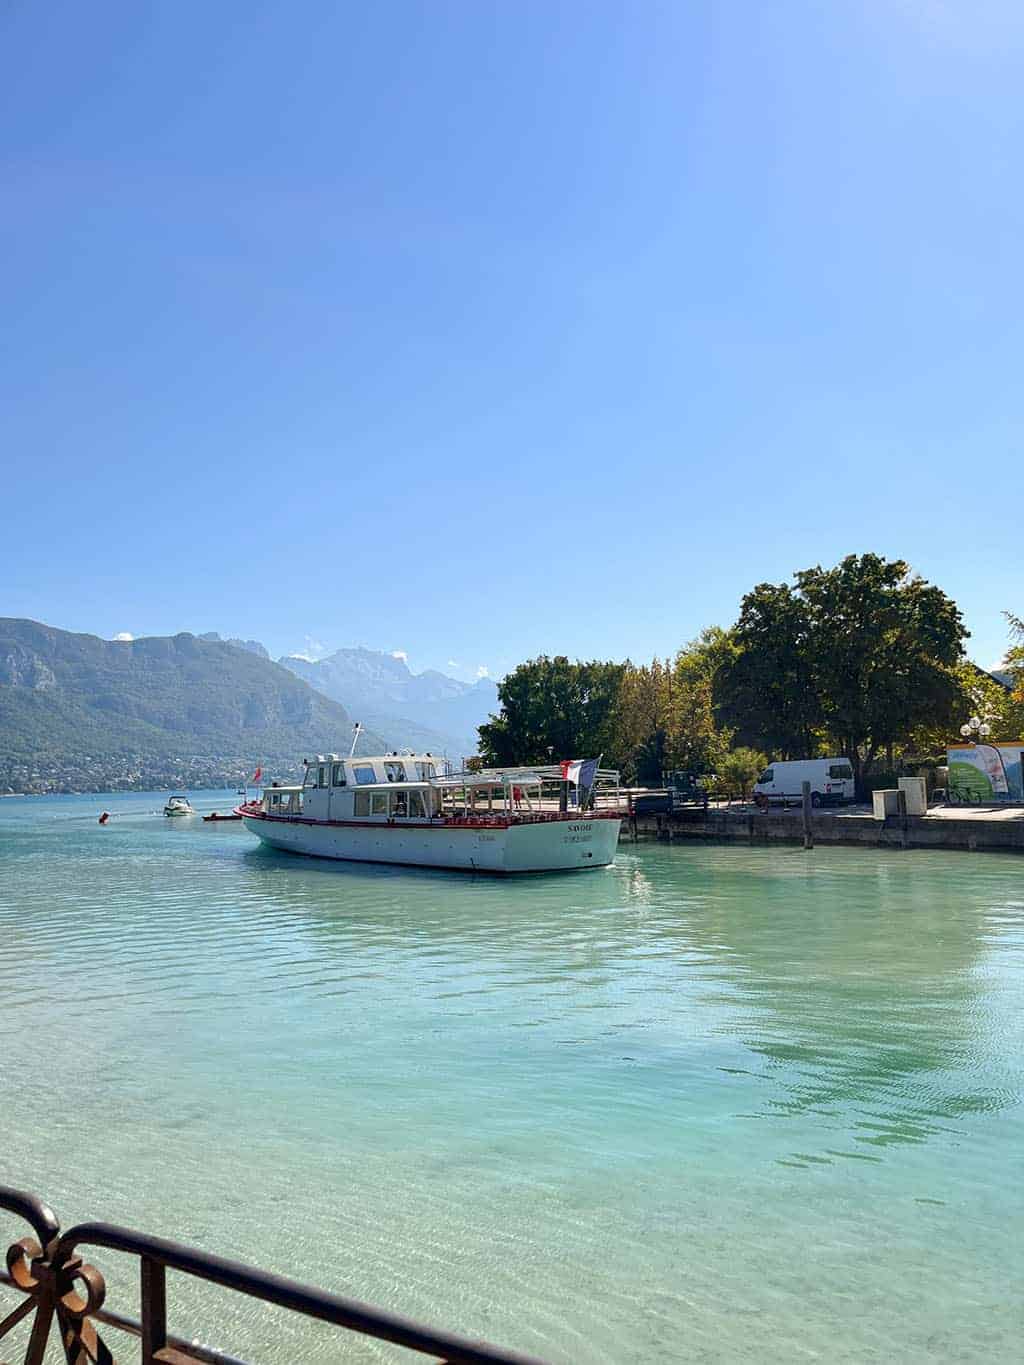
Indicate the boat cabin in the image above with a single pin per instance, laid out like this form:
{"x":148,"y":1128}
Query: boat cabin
{"x":386,"y":787}
{"x":400,"y":787}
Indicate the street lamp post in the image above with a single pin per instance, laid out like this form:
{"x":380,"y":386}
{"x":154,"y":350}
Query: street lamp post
{"x":976,"y":731}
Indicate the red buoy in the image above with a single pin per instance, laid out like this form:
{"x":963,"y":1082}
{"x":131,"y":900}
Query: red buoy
{"x":104,"y":817}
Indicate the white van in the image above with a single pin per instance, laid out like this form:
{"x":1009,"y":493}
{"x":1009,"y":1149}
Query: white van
{"x":831,"y":782}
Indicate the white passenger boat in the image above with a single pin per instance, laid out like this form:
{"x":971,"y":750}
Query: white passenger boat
{"x":409,"y":808}
{"x":178,"y":805}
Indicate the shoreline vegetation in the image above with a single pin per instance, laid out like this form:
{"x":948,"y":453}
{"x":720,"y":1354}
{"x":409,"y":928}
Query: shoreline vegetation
{"x":865,"y":659}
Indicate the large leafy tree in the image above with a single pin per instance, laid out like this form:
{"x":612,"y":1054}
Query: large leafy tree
{"x":883,"y":644}
{"x":858,"y":657}
{"x":700,"y":743}
{"x":665,"y":714}
{"x":765,"y":689}
{"x":553,"y":708}
{"x":978,"y":693}
{"x":647,"y":721}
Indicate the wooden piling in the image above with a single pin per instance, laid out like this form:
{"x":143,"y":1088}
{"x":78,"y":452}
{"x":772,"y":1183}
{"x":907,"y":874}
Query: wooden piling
{"x":806,"y":805}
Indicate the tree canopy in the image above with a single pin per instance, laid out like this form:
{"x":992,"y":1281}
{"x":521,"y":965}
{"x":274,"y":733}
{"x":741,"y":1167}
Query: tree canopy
{"x":857,"y":659}
{"x":554,"y":709}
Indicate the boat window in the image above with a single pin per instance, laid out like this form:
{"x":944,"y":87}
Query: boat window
{"x":417,"y":811}
{"x":840,"y":770}
{"x":362,"y":803}
{"x":425,"y":771}
{"x":379,"y":803}
{"x":400,"y":804}
{"x":322,"y":771}
{"x":364,"y":773}
{"x":767,"y":776}
{"x":338,"y":775}
{"x":310,"y":778}
{"x":395,"y":772}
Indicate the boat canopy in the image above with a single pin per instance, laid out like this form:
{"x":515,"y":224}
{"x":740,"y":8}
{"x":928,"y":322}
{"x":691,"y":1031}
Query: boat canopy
{"x":520,"y":777}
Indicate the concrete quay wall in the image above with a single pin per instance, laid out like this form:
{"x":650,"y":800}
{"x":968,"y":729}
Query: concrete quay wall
{"x":910,"y":831}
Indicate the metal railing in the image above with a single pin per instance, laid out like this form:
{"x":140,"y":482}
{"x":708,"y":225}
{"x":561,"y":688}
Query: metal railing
{"x":66,"y":1297}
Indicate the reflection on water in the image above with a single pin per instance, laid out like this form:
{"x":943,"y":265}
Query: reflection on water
{"x":714,"y":1103}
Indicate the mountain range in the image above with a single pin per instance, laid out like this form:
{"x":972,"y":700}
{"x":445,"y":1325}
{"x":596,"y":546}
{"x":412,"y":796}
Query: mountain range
{"x":428,"y":710}
{"x":81,"y":713}
{"x":78,"y":712}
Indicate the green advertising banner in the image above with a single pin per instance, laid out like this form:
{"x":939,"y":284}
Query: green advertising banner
{"x":985,"y":772}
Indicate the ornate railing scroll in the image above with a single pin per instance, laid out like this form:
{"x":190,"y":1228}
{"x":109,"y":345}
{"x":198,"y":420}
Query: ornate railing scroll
{"x":66,"y":1297}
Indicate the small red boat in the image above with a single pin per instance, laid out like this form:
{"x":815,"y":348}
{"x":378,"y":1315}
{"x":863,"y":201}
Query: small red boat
{"x":214,"y":816}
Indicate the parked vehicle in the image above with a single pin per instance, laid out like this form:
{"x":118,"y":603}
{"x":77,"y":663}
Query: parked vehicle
{"x":831,"y":782}
{"x":687,"y":787}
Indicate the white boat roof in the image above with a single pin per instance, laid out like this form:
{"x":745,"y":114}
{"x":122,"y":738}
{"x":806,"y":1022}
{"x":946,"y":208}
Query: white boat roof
{"x":522,"y":775}
{"x":493,"y":777}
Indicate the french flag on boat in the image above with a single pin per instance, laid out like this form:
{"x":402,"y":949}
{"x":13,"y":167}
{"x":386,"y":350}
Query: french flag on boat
{"x":580,"y":771}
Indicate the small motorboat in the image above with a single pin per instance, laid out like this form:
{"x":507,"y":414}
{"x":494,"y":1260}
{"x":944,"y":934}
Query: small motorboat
{"x":178,"y":805}
{"x":215,"y":815}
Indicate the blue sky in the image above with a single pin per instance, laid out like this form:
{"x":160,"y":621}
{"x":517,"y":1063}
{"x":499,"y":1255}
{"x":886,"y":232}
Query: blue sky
{"x":478,"y":330}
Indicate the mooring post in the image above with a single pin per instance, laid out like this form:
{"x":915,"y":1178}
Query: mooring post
{"x":806,"y":803}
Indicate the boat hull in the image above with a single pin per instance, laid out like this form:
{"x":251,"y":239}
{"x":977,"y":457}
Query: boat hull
{"x":546,"y":846}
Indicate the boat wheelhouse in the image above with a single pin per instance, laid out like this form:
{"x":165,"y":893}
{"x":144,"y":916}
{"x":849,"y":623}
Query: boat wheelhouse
{"x":412,"y":809}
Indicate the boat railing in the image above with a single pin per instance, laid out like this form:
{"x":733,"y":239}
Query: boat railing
{"x":65,"y":1298}
{"x":502,"y":819}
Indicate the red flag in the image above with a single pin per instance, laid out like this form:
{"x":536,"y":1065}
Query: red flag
{"x":256,"y":775}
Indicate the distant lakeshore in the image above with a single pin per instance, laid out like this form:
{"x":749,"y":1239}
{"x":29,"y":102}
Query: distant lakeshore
{"x":68,"y":778}
{"x":121,"y":791}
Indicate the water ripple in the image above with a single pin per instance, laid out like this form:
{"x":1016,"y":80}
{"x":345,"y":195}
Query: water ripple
{"x":716,"y":1104}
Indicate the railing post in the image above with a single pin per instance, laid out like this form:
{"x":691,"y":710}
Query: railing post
{"x":154,"y":1308}
{"x":40,"y":1330}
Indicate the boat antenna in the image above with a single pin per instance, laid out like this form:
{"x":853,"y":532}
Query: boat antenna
{"x":355,"y":738}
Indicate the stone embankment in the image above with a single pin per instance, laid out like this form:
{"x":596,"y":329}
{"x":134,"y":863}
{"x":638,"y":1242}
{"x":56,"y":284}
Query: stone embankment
{"x":945,"y":827}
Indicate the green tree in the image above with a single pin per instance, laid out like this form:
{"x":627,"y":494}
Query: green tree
{"x":740,"y":769}
{"x":1011,"y":715}
{"x":881,"y":648}
{"x":698,"y":743}
{"x":665,"y":717}
{"x":646,"y":722}
{"x":552,"y":708}
{"x":978,"y":694}
{"x":858,"y":657}
{"x":765,"y":689}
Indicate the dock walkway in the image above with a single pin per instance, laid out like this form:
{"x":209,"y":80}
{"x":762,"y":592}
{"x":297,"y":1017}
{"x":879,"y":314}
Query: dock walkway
{"x":989,"y":828}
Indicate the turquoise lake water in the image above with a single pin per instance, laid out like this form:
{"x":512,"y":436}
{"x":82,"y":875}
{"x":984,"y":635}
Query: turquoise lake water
{"x":710,"y":1104}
